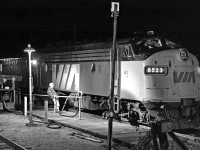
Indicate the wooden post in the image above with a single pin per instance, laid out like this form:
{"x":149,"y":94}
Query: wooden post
{"x":54,"y":105}
{"x":46,"y":111}
{"x":25,"y":106}
{"x":13,"y":87}
{"x":80,"y":99}
{"x":19,"y":97}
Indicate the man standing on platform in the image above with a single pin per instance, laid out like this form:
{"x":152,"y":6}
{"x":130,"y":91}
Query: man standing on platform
{"x":6,"y":84}
{"x":6,"y":95}
{"x":52,"y":94}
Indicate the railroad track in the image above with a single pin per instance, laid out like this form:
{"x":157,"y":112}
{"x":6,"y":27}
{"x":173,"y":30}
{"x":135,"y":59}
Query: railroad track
{"x":191,"y":141}
{"x":6,"y":144}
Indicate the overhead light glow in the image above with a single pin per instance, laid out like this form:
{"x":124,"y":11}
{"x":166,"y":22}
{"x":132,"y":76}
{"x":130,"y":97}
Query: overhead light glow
{"x":34,"y":62}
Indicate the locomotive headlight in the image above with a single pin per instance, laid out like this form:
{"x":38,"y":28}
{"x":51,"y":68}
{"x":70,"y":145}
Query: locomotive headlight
{"x":155,"y":70}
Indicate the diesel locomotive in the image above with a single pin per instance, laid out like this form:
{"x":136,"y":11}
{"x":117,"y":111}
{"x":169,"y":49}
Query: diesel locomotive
{"x":156,"y":79}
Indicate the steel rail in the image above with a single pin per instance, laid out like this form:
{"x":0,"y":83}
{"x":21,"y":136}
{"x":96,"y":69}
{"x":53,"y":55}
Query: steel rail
{"x":12,"y":144}
{"x":180,"y":143}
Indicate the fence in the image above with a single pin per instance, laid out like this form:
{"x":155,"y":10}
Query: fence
{"x":76,"y":95}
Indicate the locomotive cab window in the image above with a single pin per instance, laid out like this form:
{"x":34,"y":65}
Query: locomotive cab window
{"x":154,"y":44}
{"x":147,"y":44}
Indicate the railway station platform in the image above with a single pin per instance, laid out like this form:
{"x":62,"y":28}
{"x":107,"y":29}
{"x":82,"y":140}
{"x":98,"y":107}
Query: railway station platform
{"x":123,"y":133}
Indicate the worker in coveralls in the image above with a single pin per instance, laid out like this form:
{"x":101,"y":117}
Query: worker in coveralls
{"x":52,"y":93}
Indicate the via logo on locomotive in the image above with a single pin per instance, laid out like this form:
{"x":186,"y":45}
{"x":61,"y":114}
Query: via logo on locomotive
{"x":183,"y":77}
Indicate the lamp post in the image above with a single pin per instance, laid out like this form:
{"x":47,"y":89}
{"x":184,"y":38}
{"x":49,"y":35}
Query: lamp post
{"x":115,"y":13}
{"x":29,"y":49}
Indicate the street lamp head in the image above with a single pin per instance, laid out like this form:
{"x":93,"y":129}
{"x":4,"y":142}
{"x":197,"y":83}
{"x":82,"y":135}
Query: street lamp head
{"x":29,"y":49}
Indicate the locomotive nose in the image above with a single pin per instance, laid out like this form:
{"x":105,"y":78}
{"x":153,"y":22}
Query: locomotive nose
{"x":172,"y":74}
{"x":184,"y":74}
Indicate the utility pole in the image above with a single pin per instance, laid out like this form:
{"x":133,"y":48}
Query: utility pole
{"x":115,"y":13}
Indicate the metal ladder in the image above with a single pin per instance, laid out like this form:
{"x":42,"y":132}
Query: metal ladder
{"x":117,"y":100}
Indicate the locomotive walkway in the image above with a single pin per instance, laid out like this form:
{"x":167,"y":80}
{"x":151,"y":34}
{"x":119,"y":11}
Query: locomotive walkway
{"x":123,"y":133}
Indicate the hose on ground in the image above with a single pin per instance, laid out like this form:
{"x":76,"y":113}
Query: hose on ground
{"x":11,"y":111}
{"x":53,"y":125}
{"x":50,"y":124}
{"x":67,"y":115}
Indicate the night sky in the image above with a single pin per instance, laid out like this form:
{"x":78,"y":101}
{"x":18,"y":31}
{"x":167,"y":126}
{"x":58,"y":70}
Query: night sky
{"x":53,"y":23}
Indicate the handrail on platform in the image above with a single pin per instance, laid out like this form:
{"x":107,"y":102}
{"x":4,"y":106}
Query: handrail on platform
{"x":59,"y":96}
{"x":78,"y":95}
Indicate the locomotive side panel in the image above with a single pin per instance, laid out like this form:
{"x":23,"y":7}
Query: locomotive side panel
{"x":89,"y":77}
{"x":95,"y":78}
{"x":66,"y":76}
{"x":132,"y":80}
{"x":157,"y":76}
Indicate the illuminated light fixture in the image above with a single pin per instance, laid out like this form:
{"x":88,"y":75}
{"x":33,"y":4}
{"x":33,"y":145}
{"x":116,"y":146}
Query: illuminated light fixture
{"x":155,"y":70}
{"x":29,"y":49}
{"x":34,"y":62}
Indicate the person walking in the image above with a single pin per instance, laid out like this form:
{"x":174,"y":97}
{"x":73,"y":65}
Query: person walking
{"x":52,"y":94}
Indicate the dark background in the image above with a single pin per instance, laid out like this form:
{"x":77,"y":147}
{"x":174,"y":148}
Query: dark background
{"x":53,"y":23}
